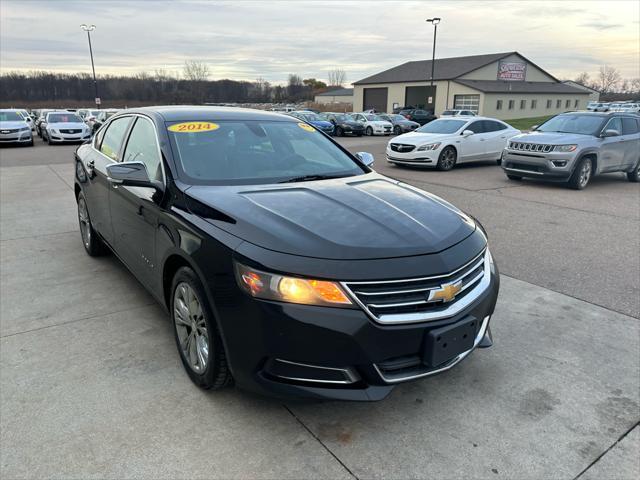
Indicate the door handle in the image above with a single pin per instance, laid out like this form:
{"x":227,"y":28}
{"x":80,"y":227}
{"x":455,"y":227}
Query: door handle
{"x":90,"y":168}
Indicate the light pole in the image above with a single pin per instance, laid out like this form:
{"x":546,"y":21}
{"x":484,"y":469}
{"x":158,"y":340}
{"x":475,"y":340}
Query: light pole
{"x":89,"y":29}
{"x":435,"y":21}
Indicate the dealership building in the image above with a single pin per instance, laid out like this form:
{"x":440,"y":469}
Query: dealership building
{"x":500,"y":85}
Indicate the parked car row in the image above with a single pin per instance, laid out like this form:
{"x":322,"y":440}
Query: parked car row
{"x":14,"y":128}
{"x":571,"y":147}
{"x":625,"y":107}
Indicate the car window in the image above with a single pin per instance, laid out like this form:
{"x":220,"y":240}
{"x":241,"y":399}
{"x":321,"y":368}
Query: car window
{"x":493,"y":126}
{"x":63,"y":118}
{"x":419,"y":112}
{"x":113,"y":137}
{"x":572,"y":123}
{"x":629,"y":126}
{"x":257,"y":152}
{"x":143,"y":147}
{"x":614,"y":124}
{"x":477,"y":127}
{"x":443,"y":126}
{"x":10,"y":117}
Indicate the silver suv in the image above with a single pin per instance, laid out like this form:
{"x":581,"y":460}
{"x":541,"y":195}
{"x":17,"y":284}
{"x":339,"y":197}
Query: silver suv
{"x":572,"y":147}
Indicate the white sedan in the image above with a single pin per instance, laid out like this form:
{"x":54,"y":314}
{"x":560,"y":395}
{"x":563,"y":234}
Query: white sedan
{"x":64,"y":126}
{"x":373,"y":124}
{"x":445,"y":142}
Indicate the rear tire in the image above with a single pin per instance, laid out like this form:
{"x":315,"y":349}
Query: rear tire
{"x":634,"y":175}
{"x":196,"y":332}
{"x":91,"y":241}
{"x":447,"y":159}
{"x":339,"y":132}
{"x":397,"y":130}
{"x":582,"y":174}
{"x":514,"y":177}
{"x":369,"y":131}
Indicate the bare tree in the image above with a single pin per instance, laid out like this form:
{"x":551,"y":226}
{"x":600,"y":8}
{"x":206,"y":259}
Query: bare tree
{"x":195,"y":70}
{"x":635,"y":84}
{"x":608,"y":79}
{"x":583,"y":79}
{"x":337,"y":77}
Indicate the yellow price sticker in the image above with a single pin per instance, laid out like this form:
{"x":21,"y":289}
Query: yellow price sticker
{"x":306,"y":127}
{"x":193,"y":127}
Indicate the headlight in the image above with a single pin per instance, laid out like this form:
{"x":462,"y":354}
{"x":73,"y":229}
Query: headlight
{"x":565,"y":148}
{"x":52,"y":130}
{"x":25,"y":129}
{"x":429,"y":146}
{"x":307,"y":291}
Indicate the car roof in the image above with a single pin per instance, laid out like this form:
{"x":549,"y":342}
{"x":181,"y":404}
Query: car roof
{"x":173,"y":113}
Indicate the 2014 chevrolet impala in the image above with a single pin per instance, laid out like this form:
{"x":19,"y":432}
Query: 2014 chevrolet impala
{"x":286,"y":264}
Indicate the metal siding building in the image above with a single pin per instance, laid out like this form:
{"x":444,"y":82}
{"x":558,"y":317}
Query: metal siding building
{"x":500,"y":85}
{"x":340,"y":95}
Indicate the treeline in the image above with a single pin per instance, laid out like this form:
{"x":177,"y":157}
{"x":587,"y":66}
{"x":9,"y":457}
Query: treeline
{"x":47,"y":88}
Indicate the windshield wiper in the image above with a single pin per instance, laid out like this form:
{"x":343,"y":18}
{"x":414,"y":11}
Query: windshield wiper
{"x":308,"y":178}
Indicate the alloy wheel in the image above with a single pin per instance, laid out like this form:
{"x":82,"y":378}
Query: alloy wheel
{"x":191,"y":327}
{"x":85,"y":224}
{"x":585,"y":174}
{"x":448,"y":159}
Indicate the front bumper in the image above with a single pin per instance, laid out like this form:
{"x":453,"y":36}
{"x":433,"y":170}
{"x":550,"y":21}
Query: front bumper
{"x":67,"y":137}
{"x":427,"y":158}
{"x":285,"y":350}
{"x":18,"y":137}
{"x":550,"y":166}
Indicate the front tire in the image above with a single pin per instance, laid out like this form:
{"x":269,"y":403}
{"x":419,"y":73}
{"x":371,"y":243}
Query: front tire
{"x":397,"y":130}
{"x":196,"y":332}
{"x":90,"y":239}
{"x":447,"y":159}
{"x":582,"y":174}
{"x":634,"y":175}
{"x":339,"y":132}
{"x":369,"y":131}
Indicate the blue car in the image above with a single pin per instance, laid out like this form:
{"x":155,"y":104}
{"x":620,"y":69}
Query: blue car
{"x":315,"y":120}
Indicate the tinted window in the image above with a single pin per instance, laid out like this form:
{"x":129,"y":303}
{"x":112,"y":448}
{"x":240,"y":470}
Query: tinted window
{"x":493,"y":126}
{"x":614,"y":124}
{"x":113,"y":137}
{"x":258,"y":152}
{"x":10,"y":117}
{"x":442,"y":126}
{"x":629,"y":126}
{"x":143,"y":147}
{"x":420,"y":112}
{"x":477,"y":127}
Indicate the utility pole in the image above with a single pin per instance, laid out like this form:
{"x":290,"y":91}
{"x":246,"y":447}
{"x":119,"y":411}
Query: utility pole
{"x":89,"y":29}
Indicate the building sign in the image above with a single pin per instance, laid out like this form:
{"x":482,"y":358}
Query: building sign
{"x":512,"y":71}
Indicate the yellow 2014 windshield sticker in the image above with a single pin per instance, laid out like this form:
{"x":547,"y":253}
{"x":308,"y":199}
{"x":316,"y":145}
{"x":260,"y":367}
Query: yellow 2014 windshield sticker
{"x":307,"y":127}
{"x":193,"y":127}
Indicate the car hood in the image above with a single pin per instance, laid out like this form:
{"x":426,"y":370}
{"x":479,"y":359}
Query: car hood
{"x":65,"y":125}
{"x":12,"y":125}
{"x":551,"y":138}
{"x":351,"y":124}
{"x":417,"y":138}
{"x":321,"y":124}
{"x":363,"y":217}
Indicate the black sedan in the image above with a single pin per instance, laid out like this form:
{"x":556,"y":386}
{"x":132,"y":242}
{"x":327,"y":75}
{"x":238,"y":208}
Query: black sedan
{"x":285,"y":263}
{"x":418,"y":115}
{"x":400,"y":124}
{"x":344,"y":124}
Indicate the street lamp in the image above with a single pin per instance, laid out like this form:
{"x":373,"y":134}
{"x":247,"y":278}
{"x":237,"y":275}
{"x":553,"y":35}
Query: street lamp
{"x":435,"y":21}
{"x":89,"y":29}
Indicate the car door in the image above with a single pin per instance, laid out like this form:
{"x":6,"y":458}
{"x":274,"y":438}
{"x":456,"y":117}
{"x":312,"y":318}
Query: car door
{"x":497,"y":136}
{"x":105,"y":150}
{"x":612,"y":149}
{"x":134,"y":210}
{"x":631,"y":141}
{"x":473,"y":147}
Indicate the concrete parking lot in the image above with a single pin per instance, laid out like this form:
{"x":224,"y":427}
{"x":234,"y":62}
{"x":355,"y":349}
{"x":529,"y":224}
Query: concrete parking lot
{"x":91,"y":385}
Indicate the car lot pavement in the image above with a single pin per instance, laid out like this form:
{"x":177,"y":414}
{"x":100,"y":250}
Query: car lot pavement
{"x":91,"y":384}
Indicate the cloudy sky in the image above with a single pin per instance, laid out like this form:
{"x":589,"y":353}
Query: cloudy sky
{"x":249,"y":39}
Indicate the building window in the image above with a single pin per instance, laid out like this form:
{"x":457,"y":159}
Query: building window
{"x":558,"y":103}
{"x":534,"y":104}
{"x":511,"y":102}
{"x":499,"y":105}
{"x":467,"y":102}
{"x":575,"y":104}
{"x":548,"y":103}
{"x":567,"y":104}
{"x":523,"y":104}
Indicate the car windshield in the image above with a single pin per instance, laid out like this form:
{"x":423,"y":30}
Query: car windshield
{"x":63,"y":118}
{"x":373,"y":118}
{"x":311,"y":117}
{"x":449,"y":112}
{"x":398,"y":118}
{"x":344,"y":118}
{"x":580,"y":124}
{"x":442,"y":126}
{"x":10,"y":117}
{"x":256,"y":152}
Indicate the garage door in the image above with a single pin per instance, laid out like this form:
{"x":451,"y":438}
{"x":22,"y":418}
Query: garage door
{"x":375,"y":98}
{"x":467,"y":102}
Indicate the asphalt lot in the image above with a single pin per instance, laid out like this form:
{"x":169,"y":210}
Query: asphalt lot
{"x":91,"y":385}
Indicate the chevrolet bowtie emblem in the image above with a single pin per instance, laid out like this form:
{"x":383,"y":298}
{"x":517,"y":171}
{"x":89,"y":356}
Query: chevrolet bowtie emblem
{"x":446,"y":292}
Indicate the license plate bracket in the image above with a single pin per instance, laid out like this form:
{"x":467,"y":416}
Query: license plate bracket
{"x":445,"y":343}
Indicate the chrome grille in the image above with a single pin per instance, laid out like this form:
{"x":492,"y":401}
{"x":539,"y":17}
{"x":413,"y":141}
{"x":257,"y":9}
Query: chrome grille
{"x":401,"y":147}
{"x":419,"y":299}
{"x":530,"y":147}
{"x":70,"y":131}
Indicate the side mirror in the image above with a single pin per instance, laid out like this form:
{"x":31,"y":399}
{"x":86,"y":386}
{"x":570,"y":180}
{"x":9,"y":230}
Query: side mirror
{"x":366,"y":158}
{"x":467,"y":133}
{"x":610,"y":133}
{"x":131,"y":174}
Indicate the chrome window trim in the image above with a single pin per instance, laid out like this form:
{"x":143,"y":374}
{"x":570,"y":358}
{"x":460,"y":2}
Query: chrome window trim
{"x":453,"y":309}
{"x":347,"y":372}
{"x":452,"y":363}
